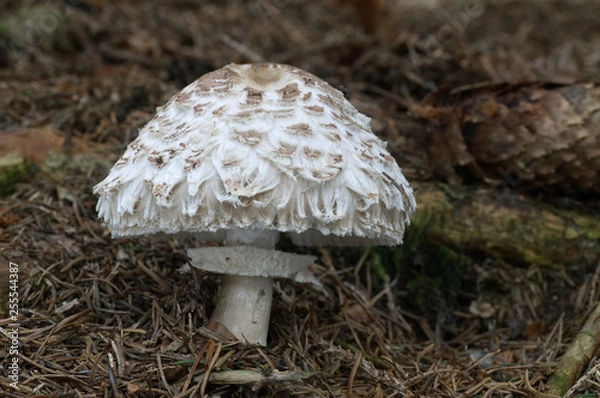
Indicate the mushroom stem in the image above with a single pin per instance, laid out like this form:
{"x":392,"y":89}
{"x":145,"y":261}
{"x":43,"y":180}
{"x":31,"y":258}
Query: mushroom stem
{"x":248,"y":263}
{"x":244,"y":302}
{"x":244,"y":307}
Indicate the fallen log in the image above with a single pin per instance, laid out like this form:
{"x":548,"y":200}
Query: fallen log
{"x":506,"y":225}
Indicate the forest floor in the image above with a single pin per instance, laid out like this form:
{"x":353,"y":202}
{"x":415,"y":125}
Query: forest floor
{"x":114,"y":317}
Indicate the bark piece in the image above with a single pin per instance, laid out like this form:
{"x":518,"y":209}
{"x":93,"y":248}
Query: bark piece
{"x":535,"y":136}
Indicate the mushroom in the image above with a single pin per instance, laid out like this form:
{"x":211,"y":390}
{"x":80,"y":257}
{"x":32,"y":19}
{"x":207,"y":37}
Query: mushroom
{"x":243,"y":154}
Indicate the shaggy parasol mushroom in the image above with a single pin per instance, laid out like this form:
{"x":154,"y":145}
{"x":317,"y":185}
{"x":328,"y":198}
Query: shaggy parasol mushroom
{"x":244,"y":153}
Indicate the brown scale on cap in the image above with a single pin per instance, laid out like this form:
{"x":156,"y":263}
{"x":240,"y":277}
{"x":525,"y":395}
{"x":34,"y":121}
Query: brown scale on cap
{"x":254,"y":97}
{"x":301,"y":129}
{"x":289,"y":93}
{"x":250,"y":137}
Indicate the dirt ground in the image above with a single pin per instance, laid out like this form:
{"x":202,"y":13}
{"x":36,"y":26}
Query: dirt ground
{"x":114,"y":317}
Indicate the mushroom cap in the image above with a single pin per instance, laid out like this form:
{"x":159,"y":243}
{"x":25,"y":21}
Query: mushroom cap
{"x":259,"y":146}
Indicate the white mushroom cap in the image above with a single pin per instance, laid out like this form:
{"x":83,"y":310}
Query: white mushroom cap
{"x":264,"y":147}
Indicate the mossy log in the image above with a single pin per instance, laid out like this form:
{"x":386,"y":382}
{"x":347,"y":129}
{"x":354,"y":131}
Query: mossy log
{"x":506,"y":225}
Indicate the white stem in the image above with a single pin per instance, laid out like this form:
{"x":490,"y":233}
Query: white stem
{"x":265,"y":238}
{"x":247,"y":265}
{"x":244,"y":307}
{"x":244,"y":303}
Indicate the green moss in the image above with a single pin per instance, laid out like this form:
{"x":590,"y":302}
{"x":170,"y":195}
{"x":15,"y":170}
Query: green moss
{"x":571,"y":233}
{"x":13,"y":168}
{"x":589,"y":225}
